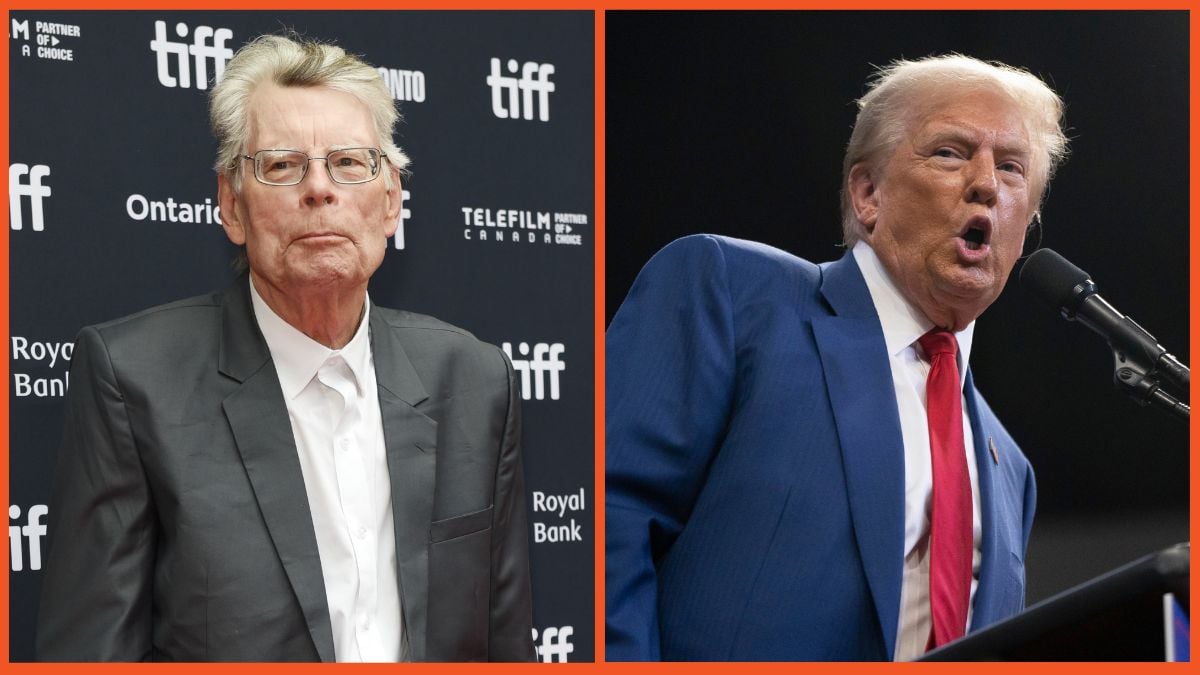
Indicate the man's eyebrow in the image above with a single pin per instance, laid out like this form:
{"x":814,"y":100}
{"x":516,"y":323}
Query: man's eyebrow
{"x":1007,"y":143}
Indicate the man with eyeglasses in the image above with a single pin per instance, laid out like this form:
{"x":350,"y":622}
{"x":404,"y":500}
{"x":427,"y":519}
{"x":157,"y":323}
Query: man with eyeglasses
{"x":283,"y":471}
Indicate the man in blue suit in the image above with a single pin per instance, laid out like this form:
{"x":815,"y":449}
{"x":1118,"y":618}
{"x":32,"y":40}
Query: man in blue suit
{"x":776,"y":475}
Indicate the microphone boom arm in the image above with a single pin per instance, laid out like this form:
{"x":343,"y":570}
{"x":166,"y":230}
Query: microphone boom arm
{"x":1140,"y":362}
{"x":1142,"y":384}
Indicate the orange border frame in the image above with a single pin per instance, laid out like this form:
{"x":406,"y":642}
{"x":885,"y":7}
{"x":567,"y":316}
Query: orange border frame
{"x":599,"y":6}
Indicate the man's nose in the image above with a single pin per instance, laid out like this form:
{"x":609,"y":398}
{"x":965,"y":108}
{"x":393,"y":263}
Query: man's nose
{"x":318,"y":186}
{"x":982,"y":186}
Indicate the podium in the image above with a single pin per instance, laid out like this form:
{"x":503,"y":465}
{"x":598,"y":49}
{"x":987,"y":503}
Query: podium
{"x":1124,"y":615}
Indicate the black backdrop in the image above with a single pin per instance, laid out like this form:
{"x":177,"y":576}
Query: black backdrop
{"x":94,"y":121}
{"x":735,"y":123}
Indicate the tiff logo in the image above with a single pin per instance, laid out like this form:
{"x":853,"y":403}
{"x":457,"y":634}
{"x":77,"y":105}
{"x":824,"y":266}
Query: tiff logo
{"x":546,"y":359}
{"x":33,"y":530}
{"x":556,"y":642}
{"x":405,"y":214}
{"x":33,"y":189}
{"x":534,"y":77}
{"x":200,"y":49}
{"x":20,"y":29}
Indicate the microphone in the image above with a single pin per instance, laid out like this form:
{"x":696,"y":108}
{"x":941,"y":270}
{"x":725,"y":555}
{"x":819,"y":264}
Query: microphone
{"x":1053,"y":278}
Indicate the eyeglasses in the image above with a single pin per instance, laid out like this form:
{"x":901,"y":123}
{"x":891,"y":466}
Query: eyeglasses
{"x":347,"y":166}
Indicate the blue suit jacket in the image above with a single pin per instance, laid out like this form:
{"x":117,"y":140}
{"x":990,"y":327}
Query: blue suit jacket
{"x":755,"y":467}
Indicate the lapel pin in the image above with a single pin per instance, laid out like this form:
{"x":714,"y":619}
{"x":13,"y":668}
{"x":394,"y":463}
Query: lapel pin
{"x":992,"y":447}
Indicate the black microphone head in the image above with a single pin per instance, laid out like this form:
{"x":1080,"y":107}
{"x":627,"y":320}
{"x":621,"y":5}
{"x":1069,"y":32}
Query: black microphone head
{"x":1055,"y":280}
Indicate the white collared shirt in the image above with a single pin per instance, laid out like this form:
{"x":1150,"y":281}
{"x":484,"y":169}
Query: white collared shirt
{"x":902,"y":325}
{"x":333,"y":403}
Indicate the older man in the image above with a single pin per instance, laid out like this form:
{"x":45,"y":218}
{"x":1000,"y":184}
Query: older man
{"x":283,"y":471}
{"x":799,"y":464}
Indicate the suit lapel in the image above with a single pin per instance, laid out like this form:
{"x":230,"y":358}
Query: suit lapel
{"x":411,"y":439}
{"x":994,"y":544}
{"x":859,"y":380}
{"x":258,"y":417}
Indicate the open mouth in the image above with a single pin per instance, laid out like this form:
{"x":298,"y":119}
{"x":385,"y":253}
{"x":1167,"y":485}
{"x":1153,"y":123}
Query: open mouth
{"x":977,"y":233}
{"x":974,"y":238}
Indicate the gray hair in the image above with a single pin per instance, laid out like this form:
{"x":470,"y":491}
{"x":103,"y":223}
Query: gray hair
{"x":295,"y":62}
{"x":894,"y":98}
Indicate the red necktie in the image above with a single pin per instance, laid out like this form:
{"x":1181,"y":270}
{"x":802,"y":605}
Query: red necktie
{"x":950,"y":532}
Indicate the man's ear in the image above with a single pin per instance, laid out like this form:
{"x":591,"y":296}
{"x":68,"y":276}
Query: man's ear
{"x":395,"y":196}
{"x":862,"y":186}
{"x":227,"y":199}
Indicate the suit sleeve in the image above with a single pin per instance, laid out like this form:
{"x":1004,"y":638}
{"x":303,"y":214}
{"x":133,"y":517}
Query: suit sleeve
{"x":96,"y":591}
{"x":669,"y":381}
{"x":511,"y":619}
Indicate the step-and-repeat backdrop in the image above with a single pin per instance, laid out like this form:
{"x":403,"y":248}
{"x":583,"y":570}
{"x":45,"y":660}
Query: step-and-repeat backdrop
{"x":112,"y":208}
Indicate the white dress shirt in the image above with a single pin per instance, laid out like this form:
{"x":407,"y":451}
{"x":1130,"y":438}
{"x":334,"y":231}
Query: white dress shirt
{"x":902,"y":325}
{"x":333,"y":403}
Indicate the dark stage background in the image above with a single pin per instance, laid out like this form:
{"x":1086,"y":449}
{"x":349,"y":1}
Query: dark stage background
{"x":112,"y":210}
{"x":735,"y":123}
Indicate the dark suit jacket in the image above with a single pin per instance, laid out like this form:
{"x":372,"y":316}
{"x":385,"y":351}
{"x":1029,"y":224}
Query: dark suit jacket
{"x":180,"y":526}
{"x":755,"y":466}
